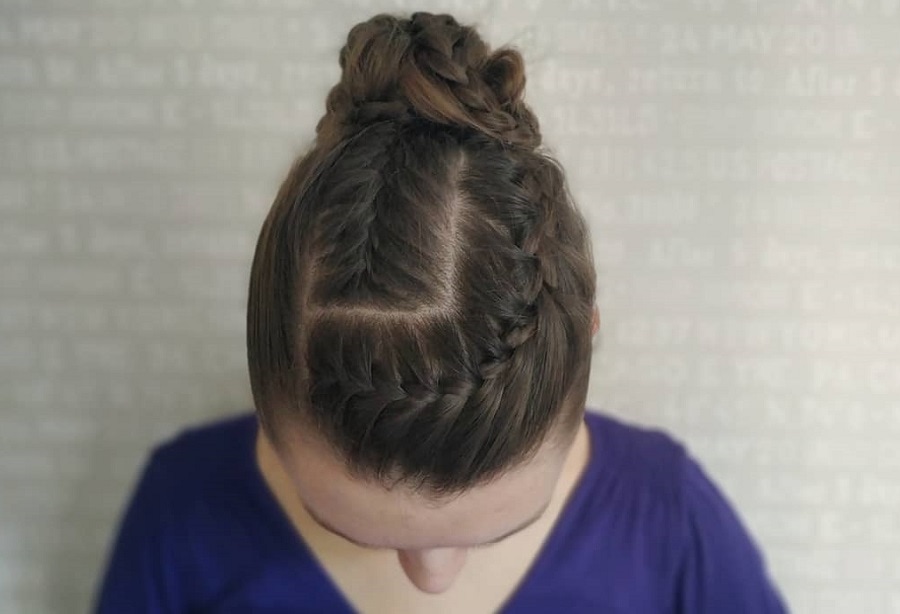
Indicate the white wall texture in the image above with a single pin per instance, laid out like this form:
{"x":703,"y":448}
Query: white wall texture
{"x":737,"y":161}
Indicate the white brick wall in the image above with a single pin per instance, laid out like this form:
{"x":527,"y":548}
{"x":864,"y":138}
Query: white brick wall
{"x":737,"y":161}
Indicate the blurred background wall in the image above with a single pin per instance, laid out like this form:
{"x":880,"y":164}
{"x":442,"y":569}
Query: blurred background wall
{"x":738,"y":162}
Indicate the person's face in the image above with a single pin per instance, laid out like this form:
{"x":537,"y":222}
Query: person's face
{"x":431,"y":537}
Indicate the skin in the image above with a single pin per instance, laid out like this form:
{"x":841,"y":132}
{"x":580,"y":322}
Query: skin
{"x":432,"y":539}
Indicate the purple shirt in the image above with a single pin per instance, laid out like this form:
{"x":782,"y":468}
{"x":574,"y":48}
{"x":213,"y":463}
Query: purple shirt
{"x":644,"y":532}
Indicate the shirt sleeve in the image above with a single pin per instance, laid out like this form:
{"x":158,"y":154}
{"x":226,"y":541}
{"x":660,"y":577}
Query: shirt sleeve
{"x":140,"y":575}
{"x":722,"y":569}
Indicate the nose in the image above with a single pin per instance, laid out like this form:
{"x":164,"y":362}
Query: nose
{"x":432,"y":571}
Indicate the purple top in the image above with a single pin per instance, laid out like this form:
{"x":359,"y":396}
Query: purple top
{"x":644,"y":532}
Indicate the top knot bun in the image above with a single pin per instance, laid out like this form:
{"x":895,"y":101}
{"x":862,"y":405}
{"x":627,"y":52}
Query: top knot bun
{"x":432,"y":67}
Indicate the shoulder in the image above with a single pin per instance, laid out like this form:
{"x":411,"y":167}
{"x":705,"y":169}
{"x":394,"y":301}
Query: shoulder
{"x":644,"y":458}
{"x":176,"y":537}
{"x":637,"y":494}
{"x":682,"y":529}
{"x":204,"y":450}
{"x":722,"y":566}
{"x":202,"y":467}
{"x":653,"y":463}
{"x":654,"y":470}
{"x":207,"y":441}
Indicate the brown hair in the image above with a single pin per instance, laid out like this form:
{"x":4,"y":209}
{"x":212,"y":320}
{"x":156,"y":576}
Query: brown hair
{"x":422,"y":289}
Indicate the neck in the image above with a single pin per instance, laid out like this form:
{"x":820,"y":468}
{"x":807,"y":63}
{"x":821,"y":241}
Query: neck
{"x":577,"y":459}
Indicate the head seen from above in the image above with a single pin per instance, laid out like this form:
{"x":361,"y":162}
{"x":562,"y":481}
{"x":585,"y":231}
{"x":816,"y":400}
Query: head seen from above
{"x":421,"y":301}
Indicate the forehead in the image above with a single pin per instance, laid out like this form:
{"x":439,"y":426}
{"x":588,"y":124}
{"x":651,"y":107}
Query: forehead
{"x":401,"y":519}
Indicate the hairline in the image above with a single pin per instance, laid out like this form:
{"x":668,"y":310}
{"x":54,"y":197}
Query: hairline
{"x":521,"y":527}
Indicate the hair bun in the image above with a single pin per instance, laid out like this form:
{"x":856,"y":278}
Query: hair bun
{"x":432,"y":67}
